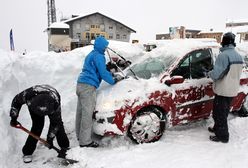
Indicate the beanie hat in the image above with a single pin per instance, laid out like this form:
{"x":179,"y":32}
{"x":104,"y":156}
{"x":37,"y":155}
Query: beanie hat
{"x":228,"y":38}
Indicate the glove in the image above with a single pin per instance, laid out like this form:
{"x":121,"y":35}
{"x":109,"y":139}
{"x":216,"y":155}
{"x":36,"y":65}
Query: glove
{"x":13,"y":112}
{"x":13,"y":122}
{"x":50,"y":142}
{"x":118,"y":77}
{"x":123,"y":63}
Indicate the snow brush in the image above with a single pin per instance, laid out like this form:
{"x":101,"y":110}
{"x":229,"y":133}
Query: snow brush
{"x":65,"y":160}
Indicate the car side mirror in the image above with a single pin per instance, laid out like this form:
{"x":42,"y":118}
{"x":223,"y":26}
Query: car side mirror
{"x":174,"y":80}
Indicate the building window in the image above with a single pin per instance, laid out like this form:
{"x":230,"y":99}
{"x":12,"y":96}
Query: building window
{"x":110,"y":27}
{"x":102,"y":27}
{"x":92,"y":36}
{"x":87,"y":36}
{"x":117,"y":36}
{"x":92,"y":26}
{"x":246,"y":37}
{"x":78,"y":36}
{"x":124,"y":36}
{"x":110,"y":35}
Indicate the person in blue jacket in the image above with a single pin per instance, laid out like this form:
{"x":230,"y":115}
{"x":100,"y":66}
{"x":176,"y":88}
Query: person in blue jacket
{"x":93,"y":72}
{"x":226,"y":76}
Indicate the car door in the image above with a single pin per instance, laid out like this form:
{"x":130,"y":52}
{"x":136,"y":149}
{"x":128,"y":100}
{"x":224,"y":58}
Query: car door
{"x":193,"y":98}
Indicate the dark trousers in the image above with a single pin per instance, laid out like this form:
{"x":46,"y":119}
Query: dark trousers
{"x":221,"y":109}
{"x":37,"y":127}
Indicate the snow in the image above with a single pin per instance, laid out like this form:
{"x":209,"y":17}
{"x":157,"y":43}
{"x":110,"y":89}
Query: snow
{"x":185,"y":146}
{"x":59,"y":25}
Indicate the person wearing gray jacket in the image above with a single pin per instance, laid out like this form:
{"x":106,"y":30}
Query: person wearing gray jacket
{"x":226,"y":76}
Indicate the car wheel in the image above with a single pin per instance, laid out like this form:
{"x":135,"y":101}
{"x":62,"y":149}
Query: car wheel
{"x":147,"y":125}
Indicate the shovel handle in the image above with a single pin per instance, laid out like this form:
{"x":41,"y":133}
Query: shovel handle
{"x":19,"y":126}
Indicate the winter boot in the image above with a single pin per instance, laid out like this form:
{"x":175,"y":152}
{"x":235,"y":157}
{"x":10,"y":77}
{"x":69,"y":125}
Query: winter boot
{"x":216,"y":139}
{"x":27,"y":158}
{"x":62,"y":153}
{"x":92,"y":144}
{"x":211,"y":129}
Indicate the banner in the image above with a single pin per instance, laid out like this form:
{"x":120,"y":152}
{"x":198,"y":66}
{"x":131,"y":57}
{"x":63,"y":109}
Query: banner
{"x":12,"y":46}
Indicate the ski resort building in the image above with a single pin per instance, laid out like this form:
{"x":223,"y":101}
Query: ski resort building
{"x":83,"y":29}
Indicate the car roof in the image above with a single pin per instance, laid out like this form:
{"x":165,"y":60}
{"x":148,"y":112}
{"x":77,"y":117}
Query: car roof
{"x":181,"y":47}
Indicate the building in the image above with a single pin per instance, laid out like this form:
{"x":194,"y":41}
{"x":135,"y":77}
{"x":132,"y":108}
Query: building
{"x":177,"y":33}
{"x":211,"y":34}
{"x":181,"y":33}
{"x":58,"y":37}
{"x":240,"y":28}
{"x":83,"y":29}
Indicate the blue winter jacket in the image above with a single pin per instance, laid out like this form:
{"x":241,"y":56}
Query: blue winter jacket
{"x":94,"y":68}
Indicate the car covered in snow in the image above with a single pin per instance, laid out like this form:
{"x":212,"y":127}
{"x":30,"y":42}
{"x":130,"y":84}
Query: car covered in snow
{"x":165,"y":87}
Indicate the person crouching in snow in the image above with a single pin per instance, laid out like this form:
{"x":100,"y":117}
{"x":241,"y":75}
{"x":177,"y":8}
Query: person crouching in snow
{"x":93,"y":71}
{"x":42,"y":100}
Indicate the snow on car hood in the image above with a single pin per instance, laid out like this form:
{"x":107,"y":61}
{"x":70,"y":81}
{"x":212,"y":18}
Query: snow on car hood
{"x":110,"y":98}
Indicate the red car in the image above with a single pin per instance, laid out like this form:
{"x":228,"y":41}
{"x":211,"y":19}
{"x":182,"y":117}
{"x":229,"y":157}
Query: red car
{"x":166,"y":87}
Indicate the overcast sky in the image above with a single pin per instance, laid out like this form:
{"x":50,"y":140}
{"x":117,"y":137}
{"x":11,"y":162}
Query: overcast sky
{"x":28,"y":18}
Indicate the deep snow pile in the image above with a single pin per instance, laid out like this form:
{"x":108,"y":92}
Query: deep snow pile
{"x":180,"y":147}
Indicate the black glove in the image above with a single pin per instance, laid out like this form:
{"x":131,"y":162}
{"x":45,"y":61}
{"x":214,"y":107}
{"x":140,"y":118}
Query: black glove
{"x":118,"y":77}
{"x":13,"y":112}
{"x":13,"y":122}
{"x":123,"y":63}
{"x":111,"y":67}
{"x":50,"y":142}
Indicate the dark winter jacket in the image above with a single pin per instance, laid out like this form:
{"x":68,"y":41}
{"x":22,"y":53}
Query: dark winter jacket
{"x":94,"y":69}
{"x":41,"y":100}
{"x":227,"y":71}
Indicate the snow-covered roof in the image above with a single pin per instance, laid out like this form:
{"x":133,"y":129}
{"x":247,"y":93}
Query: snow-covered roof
{"x":59,"y":25}
{"x":237,"y":29}
{"x":180,"y":47}
{"x":97,"y":13}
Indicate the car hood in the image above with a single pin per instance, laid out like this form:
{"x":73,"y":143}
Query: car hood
{"x":125,"y":92}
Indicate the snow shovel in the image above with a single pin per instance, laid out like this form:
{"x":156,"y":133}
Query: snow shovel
{"x":65,"y":161}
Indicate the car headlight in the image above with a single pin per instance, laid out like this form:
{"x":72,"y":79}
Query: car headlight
{"x":110,"y":105}
{"x":107,"y":106}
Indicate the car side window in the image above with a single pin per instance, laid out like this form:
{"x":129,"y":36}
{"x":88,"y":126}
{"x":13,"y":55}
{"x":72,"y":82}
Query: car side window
{"x":183,"y":68}
{"x":201,"y":63}
{"x":195,"y":64}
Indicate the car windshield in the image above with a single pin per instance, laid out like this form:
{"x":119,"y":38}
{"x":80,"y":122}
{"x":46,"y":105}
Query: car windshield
{"x":151,"y":67}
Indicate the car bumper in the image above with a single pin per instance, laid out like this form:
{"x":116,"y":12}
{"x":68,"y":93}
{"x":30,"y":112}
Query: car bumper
{"x":103,"y":124}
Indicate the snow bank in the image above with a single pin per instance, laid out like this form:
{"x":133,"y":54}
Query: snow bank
{"x":183,"y":147}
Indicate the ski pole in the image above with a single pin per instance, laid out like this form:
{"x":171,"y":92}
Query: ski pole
{"x":19,"y":126}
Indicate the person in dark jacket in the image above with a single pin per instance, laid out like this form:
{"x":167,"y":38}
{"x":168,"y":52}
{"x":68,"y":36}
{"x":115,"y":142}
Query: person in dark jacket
{"x":226,"y":76}
{"x":42,"y":100}
{"x":93,"y":71}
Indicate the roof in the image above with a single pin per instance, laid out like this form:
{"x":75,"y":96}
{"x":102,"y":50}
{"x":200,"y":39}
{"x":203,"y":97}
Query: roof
{"x":59,"y":25}
{"x":237,"y":29}
{"x":180,"y":47}
{"x":97,"y":13}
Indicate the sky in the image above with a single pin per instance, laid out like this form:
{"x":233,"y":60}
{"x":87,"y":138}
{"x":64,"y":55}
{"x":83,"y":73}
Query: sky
{"x":28,"y":18}
{"x":185,"y":146}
